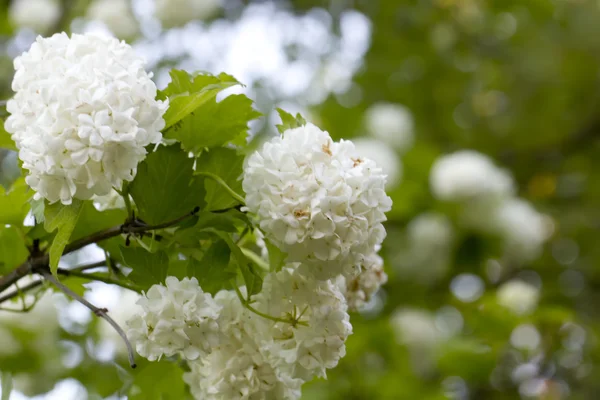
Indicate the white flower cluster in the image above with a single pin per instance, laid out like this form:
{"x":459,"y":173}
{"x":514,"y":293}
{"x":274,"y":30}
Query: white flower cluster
{"x":38,"y":15}
{"x":317,"y":200}
{"x":173,"y":13}
{"x":116,"y":15}
{"x":360,"y":289}
{"x":392,"y":124}
{"x":234,"y":353}
{"x":178,"y":318}
{"x":385,"y":157}
{"x":518,"y":296}
{"x":83,"y":112}
{"x":487,"y":193}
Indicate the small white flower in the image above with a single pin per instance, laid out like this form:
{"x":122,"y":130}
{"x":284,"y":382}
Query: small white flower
{"x":116,"y":15}
{"x":112,"y":200}
{"x":308,"y":349}
{"x":83,"y":112}
{"x":317,"y":200}
{"x":392,"y":123}
{"x":466,"y":175}
{"x":359,"y":290}
{"x":415,"y":327}
{"x":177,"y":318}
{"x":38,"y":15}
{"x":385,"y":157}
{"x":179,"y":12}
{"x":518,"y":296}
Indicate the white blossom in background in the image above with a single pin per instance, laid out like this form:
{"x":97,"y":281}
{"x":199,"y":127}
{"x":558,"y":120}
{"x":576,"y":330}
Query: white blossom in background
{"x":523,"y":228}
{"x":317,"y":200}
{"x":110,"y":201}
{"x":518,"y":296}
{"x":177,"y":318}
{"x":172,"y":13}
{"x":237,"y":369}
{"x":38,"y":15}
{"x":430,"y":231}
{"x":302,"y":351}
{"x":83,"y":112}
{"x":125,"y":309}
{"x":414,"y":327}
{"x":392,"y":124}
{"x":385,"y":157}
{"x":468,"y":175}
{"x":360,"y":289}
{"x":116,"y":15}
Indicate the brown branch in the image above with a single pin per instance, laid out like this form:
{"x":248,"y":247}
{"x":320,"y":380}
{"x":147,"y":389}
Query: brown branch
{"x":100,"y":312}
{"x":19,"y":291}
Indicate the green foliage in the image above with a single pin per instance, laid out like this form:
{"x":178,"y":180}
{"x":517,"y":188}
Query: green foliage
{"x":164,"y":187}
{"x":64,"y":218}
{"x":214,"y":271}
{"x":186,"y":93}
{"x":276,"y":256}
{"x":288,"y":121}
{"x":158,"y":381}
{"x":214,"y":124}
{"x":6,"y":383}
{"x":13,"y":203}
{"x":227,"y":165}
{"x":6,"y":141}
{"x":147,"y":268}
{"x":13,"y":251}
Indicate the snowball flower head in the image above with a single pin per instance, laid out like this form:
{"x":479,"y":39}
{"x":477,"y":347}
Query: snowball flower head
{"x":83,"y":112}
{"x":466,"y":175}
{"x":518,"y":296}
{"x":523,"y":228}
{"x":177,"y":317}
{"x":116,"y":15}
{"x":38,"y":15}
{"x":359,"y":290}
{"x":179,"y":12}
{"x":317,"y":200}
{"x":384,"y":156}
{"x":391,"y":123}
{"x":430,"y":231}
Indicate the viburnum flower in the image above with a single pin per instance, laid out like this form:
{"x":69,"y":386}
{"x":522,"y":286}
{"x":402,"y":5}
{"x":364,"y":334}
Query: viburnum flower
{"x":385,"y":157}
{"x":360,"y":289}
{"x":116,"y":15}
{"x":317,"y":200}
{"x":83,"y":112}
{"x":39,"y":15}
{"x":236,"y":369}
{"x":177,"y":317}
{"x":307,"y":349}
{"x":467,"y":175}
{"x":391,"y":123}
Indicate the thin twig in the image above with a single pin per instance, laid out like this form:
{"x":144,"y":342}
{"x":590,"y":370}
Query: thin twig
{"x":86,"y":267}
{"x":223,"y":184}
{"x":100,"y":312}
{"x":22,"y":290}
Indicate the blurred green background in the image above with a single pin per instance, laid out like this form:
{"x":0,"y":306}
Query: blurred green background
{"x":517,"y":81}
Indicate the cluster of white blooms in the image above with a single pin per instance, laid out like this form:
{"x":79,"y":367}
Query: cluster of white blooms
{"x":38,"y":15}
{"x":173,"y":13}
{"x":414,"y":327}
{"x":466,"y":175}
{"x":234,"y":353}
{"x":518,"y":296}
{"x":317,"y":200}
{"x":116,"y":15}
{"x":391,"y":123}
{"x":385,"y":157}
{"x":110,"y":201}
{"x":178,"y":318}
{"x":83,"y":112}
{"x":360,"y":289}
{"x":490,"y":206}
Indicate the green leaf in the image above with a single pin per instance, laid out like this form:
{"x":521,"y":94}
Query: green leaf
{"x":6,"y":382}
{"x":37,"y":209}
{"x":158,"y":381}
{"x":165,"y":188}
{"x":92,"y":220}
{"x":215,"y":124}
{"x":147,"y":268}
{"x":226,"y":164}
{"x":213,"y":271}
{"x":252,"y":278}
{"x":13,"y":251}
{"x":64,"y":218}
{"x":13,"y":204}
{"x":276,"y":256}
{"x":178,"y":268}
{"x":6,"y":141}
{"x":288,"y":121}
{"x":186,"y":93}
